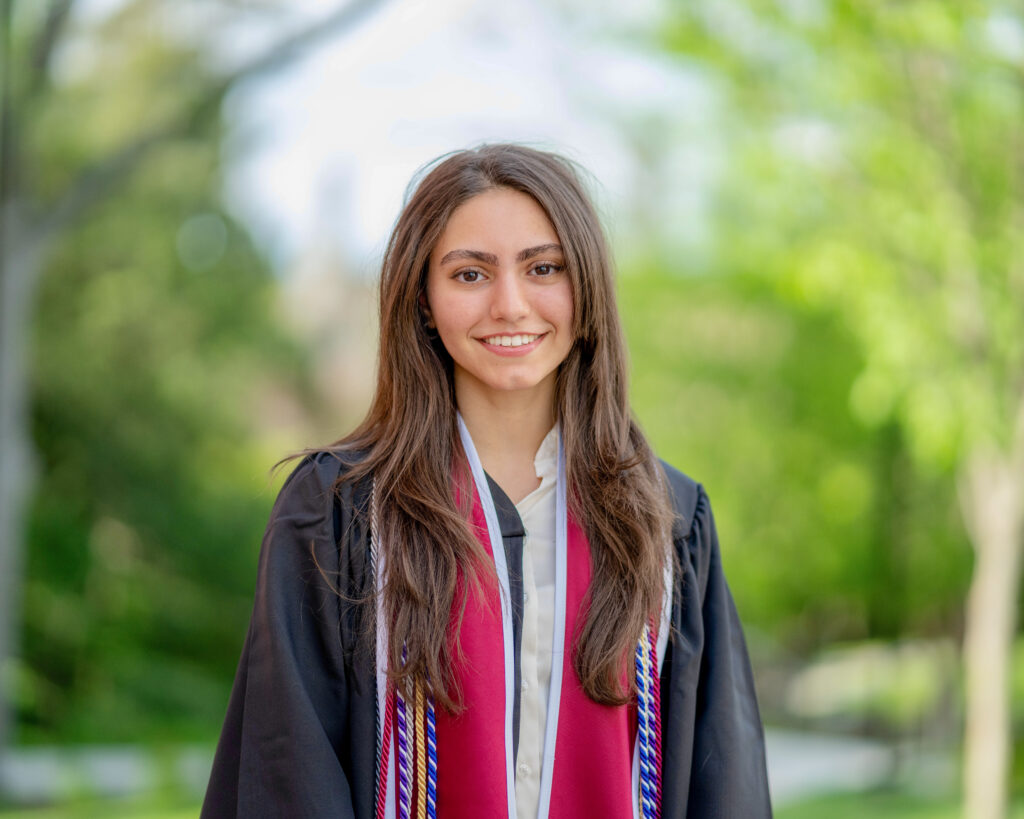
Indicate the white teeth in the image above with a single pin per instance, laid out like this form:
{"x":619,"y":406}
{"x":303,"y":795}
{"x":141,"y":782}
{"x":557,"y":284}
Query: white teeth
{"x":511,"y":341}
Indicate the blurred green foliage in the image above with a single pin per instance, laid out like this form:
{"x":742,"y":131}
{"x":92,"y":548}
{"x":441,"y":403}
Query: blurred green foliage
{"x":875,"y":170}
{"x":155,"y":333}
{"x":750,"y":393}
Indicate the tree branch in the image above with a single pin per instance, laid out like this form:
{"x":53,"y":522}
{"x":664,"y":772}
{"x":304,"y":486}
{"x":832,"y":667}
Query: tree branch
{"x":46,"y":41}
{"x":293,"y":45}
{"x":6,"y":104}
{"x":104,"y":175}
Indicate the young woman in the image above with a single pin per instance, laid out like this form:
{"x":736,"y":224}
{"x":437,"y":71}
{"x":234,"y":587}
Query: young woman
{"x":491,"y":599}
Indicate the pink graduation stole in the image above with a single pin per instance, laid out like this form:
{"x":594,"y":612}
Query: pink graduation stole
{"x":461,"y":766}
{"x":593,"y":752}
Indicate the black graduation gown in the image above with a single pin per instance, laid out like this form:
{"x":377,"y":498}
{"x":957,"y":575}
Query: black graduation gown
{"x":299,"y":738}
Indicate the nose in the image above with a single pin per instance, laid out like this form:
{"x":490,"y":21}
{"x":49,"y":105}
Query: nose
{"x":509,"y":300}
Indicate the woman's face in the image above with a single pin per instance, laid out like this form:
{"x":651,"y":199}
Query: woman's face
{"x":500,"y":297}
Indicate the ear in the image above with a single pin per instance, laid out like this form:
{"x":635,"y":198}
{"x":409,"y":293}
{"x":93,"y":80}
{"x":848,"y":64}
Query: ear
{"x":428,"y":318}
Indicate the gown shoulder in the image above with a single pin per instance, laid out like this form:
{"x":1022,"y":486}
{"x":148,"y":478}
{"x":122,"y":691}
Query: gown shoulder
{"x":298,"y":737}
{"x":714,"y":739}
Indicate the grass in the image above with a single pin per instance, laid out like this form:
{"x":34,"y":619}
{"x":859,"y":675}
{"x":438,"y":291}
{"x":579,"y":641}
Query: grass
{"x":135,"y":808}
{"x":882,"y":804}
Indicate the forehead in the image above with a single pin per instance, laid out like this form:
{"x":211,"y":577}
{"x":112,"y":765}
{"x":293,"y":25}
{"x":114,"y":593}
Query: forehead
{"x":500,"y":218}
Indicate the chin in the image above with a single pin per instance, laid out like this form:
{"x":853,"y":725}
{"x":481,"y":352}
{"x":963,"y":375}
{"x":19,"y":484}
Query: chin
{"x":504,"y":380}
{"x":515,"y":384}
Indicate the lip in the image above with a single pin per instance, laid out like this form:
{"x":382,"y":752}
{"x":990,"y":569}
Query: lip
{"x":514,"y":352}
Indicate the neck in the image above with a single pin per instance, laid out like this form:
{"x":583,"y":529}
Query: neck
{"x":507,"y":429}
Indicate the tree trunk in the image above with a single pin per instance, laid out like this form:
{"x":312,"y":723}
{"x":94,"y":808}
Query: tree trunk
{"x":20,"y":263}
{"x":993,"y":506}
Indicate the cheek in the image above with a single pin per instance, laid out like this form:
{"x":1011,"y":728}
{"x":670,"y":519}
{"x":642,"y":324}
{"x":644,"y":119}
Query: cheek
{"x":562,"y":306}
{"x":452,"y":316}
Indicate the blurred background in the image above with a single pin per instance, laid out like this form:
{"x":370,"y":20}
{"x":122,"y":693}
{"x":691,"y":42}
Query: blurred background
{"x":817,"y":209}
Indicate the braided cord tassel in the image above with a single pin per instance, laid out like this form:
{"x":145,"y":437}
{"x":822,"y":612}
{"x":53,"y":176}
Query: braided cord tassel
{"x":641,"y":715}
{"x":377,"y":752}
{"x":412,"y":735}
{"x":431,"y":734}
{"x":383,"y":732}
{"x":421,"y":755}
{"x":652,"y":772}
{"x":385,"y":753}
{"x":404,"y":773}
{"x":410,"y":722}
{"x":648,"y":793}
{"x":656,"y":691}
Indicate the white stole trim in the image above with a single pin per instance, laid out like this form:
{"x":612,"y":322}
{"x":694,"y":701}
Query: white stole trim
{"x":558,"y":638}
{"x":390,"y":809}
{"x":501,"y":568}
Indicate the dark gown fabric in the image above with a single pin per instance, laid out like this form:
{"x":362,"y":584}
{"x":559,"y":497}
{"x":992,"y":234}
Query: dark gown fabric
{"x":299,"y":738}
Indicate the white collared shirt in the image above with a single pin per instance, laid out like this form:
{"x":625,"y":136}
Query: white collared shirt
{"x":537,"y":511}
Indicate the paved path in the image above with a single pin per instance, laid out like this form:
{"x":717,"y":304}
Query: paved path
{"x":799,"y":765}
{"x":46,"y":774}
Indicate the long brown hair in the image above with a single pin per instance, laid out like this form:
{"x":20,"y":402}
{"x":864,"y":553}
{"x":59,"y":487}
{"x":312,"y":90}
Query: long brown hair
{"x":409,"y":438}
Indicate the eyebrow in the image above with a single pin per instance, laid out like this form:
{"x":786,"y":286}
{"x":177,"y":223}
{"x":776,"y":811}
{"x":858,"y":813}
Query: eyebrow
{"x":491,"y":259}
{"x":474,"y":255}
{"x":530,"y":252}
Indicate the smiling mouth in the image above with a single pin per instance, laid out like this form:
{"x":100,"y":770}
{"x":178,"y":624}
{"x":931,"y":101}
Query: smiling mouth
{"x":519,"y":340}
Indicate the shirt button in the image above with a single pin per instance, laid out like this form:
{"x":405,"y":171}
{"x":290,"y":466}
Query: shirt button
{"x":524,"y":769}
{"x":524,"y":685}
{"x":526,"y":597}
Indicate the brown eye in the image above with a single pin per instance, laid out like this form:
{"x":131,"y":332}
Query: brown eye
{"x":468,"y":276}
{"x":544,"y":270}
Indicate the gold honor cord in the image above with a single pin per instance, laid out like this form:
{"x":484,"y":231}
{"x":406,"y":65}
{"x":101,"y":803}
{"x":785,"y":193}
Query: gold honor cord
{"x":421,"y":754}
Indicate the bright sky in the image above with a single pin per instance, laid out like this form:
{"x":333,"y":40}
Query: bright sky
{"x":322,"y":152}
{"x":342,"y":133}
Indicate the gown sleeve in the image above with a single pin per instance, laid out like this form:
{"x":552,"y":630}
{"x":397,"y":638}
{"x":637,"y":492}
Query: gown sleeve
{"x":286,"y":746}
{"x":714,"y":758}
